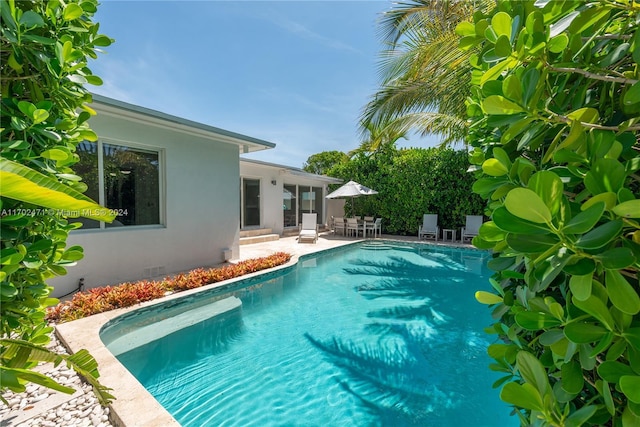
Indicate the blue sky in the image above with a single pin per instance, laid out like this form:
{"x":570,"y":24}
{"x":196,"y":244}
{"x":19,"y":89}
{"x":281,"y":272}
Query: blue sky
{"x":296,"y":73}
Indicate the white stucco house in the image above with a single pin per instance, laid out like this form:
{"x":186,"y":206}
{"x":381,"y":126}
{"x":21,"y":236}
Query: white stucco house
{"x":182,"y":193}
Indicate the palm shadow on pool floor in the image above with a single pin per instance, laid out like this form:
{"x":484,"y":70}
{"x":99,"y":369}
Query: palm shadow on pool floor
{"x":410,"y":381}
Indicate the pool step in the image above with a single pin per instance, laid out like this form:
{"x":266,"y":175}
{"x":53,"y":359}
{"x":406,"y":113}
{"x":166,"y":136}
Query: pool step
{"x":376,"y":246}
{"x":172,"y":323}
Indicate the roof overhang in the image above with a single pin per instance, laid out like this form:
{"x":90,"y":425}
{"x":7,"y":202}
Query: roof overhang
{"x":288,"y":170}
{"x":113,"y":107}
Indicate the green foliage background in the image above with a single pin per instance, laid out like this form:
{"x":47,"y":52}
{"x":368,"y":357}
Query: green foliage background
{"x":410,"y":183}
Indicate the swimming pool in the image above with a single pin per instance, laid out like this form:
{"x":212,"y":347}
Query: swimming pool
{"x":375,"y":334}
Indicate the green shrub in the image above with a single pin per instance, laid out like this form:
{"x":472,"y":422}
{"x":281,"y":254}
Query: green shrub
{"x":106,"y":298}
{"x":412,"y":182}
{"x":555,"y":107}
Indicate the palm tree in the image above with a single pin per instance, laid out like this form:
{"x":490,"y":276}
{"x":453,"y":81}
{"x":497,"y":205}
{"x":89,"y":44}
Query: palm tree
{"x":376,"y":136}
{"x":425,"y":77}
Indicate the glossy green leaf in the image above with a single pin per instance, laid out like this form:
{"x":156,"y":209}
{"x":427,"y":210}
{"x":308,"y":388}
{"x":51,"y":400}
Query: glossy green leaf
{"x":583,"y":332}
{"x":490,"y":232}
{"x":584,"y":115}
{"x":606,"y":175}
{"x":596,"y":308}
{"x":601,"y":235}
{"x":616,"y":258}
{"x":31,"y":19}
{"x":532,"y":371}
{"x":548,"y":186}
{"x":632,"y":96}
{"x":523,"y":396}
{"x":72,"y":11}
{"x":488,"y":298}
{"x":495,"y":71}
{"x":501,"y":24}
{"x":612,"y":371}
{"x":534,"y":321}
{"x":526,"y":204}
{"x":572,"y":379}
{"x":608,"y":198}
{"x":22,"y":183}
{"x":580,"y":266}
{"x":558,"y":43}
{"x":628,"y":209}
{"x":630,"y":386}
{"x":585,"y":220}
{"x":55,"y":154}
{"x":493,"y":167}
{"x":621,"y":293}
{"x":581,"y":286}
{"x":532,"y":243}
{"x":502,"y":47}
{"x":530,"y":80}
{"x":580,"y":416}
{"x":10,"y":256}
{"x":496,"y":104}
{"x":508,"y":222}
{"x":465,"y":28}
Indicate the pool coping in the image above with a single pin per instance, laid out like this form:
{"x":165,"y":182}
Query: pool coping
{"x":134,"y":405}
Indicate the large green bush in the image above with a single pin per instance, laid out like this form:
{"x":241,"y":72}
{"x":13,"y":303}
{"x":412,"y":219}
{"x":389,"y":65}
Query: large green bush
{"x":44,"y":50}
{"x":555,"y":106}
{"x":412,"y":182}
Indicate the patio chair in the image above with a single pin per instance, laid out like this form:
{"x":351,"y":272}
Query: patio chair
{"x":309,"y":227}
{"x":369,"y":218}
{"x":353,"y":227}
{"x":375,"y":227}
{"x":471,"y":228}
{"x":429,"y":227}
{"x":338,"y":225}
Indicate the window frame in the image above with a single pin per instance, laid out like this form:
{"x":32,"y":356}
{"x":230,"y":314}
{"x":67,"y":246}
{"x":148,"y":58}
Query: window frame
{"x":101,"y":182}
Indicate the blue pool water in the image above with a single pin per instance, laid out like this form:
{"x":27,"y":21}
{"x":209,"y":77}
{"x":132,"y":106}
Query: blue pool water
{"x":381,"y":334}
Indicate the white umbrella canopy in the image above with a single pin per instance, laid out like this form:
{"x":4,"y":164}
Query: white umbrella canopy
{"x":351,"y":189}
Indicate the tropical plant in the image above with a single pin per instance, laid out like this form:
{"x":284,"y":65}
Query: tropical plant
{"x":322,"y":163}
{"x":410,"y":183}
{"x":44,"y":48}
{"x":376,"y":136}
{"x":425,"y":78}
{"x":555,"y":113}
{"x":106,"y":298}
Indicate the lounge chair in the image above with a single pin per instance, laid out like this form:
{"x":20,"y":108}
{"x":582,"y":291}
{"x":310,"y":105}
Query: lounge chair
{"x":429,"y":227}
{"x":471,"y":228}
{"x":309,"y":227}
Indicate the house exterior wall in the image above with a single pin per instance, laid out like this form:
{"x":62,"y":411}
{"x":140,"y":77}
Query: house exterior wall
{"x":198,"y":208}
{"x":271,"y":196}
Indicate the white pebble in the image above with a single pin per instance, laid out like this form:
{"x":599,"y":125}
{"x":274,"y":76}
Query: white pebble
{"x":39,"y":397}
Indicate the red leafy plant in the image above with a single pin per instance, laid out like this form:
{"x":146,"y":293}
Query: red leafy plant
{"x":98,"y":300}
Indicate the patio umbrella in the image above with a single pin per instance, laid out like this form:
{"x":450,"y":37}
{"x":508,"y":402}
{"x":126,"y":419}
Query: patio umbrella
{"x":351,"y":189}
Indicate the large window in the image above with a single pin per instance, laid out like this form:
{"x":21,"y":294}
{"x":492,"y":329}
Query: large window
{"x":289,"y":196}
{"x":310,"y":202}
{"x":124,"y":179}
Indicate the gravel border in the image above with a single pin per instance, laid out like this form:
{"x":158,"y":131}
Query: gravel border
{"x":81,"y":409}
